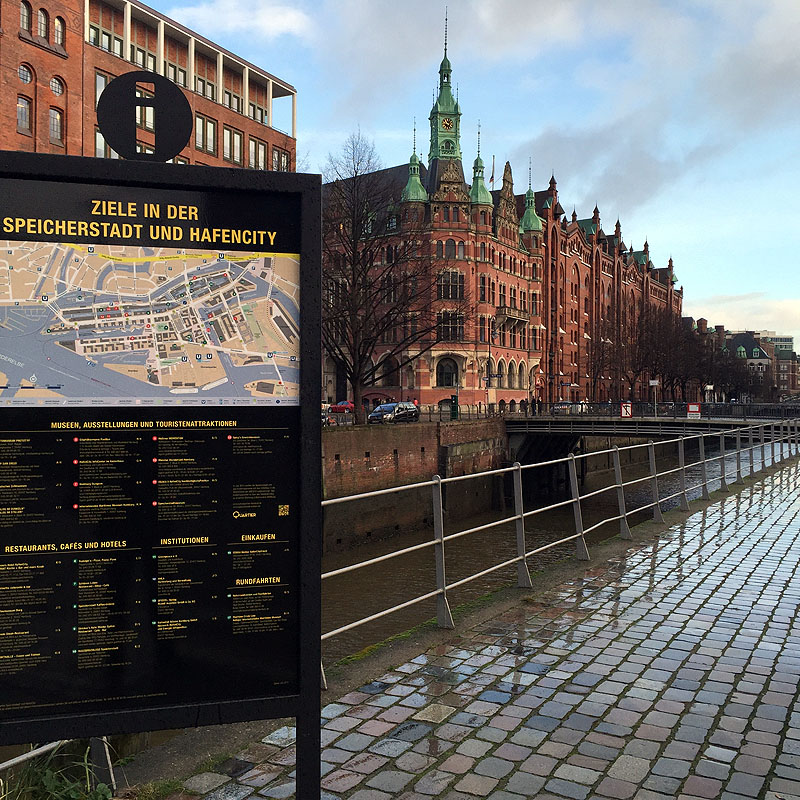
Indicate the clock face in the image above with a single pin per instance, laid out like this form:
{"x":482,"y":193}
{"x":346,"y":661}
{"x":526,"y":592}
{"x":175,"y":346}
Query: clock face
{"x":447,"y":124}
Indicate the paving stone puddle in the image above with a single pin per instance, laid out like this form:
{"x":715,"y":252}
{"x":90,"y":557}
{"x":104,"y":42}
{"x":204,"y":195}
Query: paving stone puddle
{"x":670,"y":672}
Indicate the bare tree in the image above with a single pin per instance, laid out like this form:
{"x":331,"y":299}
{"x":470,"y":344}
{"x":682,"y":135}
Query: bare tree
{"x":379,"y":281}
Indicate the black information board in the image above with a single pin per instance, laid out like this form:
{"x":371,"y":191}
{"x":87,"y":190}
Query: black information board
{"x":159,"y":448}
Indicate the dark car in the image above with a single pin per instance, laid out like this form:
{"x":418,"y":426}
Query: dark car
{"x":394,"y":412}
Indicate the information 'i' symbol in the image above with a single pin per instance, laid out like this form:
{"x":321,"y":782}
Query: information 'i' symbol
{"x":150,"y":99}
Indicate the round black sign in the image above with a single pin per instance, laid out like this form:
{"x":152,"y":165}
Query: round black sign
{"x":152,"y":99}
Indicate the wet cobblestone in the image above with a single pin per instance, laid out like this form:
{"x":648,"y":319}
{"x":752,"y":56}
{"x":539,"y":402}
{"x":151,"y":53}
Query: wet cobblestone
{"x":670,"y":672}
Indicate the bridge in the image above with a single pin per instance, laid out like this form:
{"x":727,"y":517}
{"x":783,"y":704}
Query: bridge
{"x":527,"y":434}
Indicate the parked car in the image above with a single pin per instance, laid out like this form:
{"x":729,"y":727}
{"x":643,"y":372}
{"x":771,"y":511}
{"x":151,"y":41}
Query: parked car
{"x":342,"y":407}
{"x":394,"y":412}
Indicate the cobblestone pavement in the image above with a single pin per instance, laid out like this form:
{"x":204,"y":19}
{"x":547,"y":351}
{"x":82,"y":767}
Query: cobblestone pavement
{"x":671,"y":672}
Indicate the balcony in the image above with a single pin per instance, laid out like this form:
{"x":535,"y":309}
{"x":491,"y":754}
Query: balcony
{"x":511,"y":314}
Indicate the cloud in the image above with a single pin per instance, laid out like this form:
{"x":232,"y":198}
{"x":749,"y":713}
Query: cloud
{"x":753,"y":311}
{"x":253,"y":18}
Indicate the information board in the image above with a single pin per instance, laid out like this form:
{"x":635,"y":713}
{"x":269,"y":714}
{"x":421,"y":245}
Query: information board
{"x":626,"y":410}
{"x":159,"y":470}
{"x":693,"y":410}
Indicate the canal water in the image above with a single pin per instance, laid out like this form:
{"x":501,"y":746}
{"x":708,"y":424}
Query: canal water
{"x":369,"y":590}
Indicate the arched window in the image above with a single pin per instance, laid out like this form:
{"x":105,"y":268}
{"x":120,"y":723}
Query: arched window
{"x":439,"y":250}
{"x":43,"y":26}
{"x":483,"y":217}
{"x":483,"y":251}
{"x":24,"y":114}
{"x":446,"y":372}
{"x":501,"y":374}
{"x":25,"y":73}
{"x":585,"y":305}
{"x":56,"y":126}
{"x":25,"y":16}
{"x":512,"y":376}
{"x":455,"y":214}
{"x":450,"y":249}
{"x":59,"y":31}
{"x":461,"y":250}
{"x":57,"y":86}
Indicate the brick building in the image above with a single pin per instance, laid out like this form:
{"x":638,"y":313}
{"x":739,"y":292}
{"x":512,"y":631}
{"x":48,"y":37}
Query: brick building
{"x":551,"y":299}
{"x":57,"y":58}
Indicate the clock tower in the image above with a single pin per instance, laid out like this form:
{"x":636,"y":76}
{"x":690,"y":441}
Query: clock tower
{"x":445,"y":116}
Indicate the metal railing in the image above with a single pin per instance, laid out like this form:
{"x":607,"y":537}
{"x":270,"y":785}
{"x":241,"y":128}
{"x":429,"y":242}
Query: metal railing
{"x":763,"y":446}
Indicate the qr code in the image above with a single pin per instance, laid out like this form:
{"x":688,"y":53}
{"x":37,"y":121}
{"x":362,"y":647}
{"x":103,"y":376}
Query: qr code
{"x":283,"y":511}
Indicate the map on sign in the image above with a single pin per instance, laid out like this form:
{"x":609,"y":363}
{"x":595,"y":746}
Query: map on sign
{"x":105,"y":324}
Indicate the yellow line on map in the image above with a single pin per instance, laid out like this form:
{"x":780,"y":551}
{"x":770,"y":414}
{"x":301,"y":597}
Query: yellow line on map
{"x":186,"y":257}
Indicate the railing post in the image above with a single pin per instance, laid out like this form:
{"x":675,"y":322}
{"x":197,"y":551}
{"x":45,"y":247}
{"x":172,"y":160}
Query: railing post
{"x":739,"y":478}
{"x":752,"y":449}
{"x":772,"y":444}
{"x":581,"y":551}
{"x":684,"y":500}
{"x":523,"y":575}
{"x":763,"y":450}
{"x":624,"y":528}
{"x":444,"y":618}
{"x":703,"y":466}
{"x":723,"y":480}
{"x":651,"y":452}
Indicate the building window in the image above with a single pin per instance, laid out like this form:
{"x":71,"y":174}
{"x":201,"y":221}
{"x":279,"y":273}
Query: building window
{"x":59,"y":32}
{"x":25,"y":16}
{"x":450,"y":249}
{"x":205,"y":135}
{"x":56,"y":126}
{"x":101,"y":80}
{"x":57,"y":86}
{"x":141,"y":147}
{"x":450,"y":286}
{"x":502,"y":294}
{"x":482,"y":288}
{"x":483,"y":250}
{"x":232,"y":101}
{"x":482,"y":329}
{"x":145,"y":115}
{"x":107,"y":41}
{"x":205,"y":87}
{"x":449,"y":326}
{"x":439,"y":249}
{"x":101,"y":148}
{"x":258,"y":154}
{"x":175,"y":73}
{"x":25,"y":73}
{"x":24,"y":115}
{"x":232,"y":145}
{"x":280,"y":160}
{"x":446,"y":372}
{"x":43,"y":24}
{"x":258,"y":113}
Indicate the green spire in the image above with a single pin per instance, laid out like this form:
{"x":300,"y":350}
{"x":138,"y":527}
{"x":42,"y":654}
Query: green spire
{"x":478,"y":193}
{"x":414,"y":191}
{"x":530,"y":221}
{"x":445,"y":115}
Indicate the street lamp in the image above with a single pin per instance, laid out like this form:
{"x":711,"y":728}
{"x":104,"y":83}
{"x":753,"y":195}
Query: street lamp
{"x":492,"y":335}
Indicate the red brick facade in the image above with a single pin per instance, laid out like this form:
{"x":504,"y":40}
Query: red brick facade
{"x":57,"y":55}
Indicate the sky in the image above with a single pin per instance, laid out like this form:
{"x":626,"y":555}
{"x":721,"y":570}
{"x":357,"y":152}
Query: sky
{"x":679,"y":117}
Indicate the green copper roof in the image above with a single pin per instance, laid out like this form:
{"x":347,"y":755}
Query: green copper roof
{"x":414,"y":191}
{"x":530,"y":220}
{"x":478,"y":192}
{"x":588,"y":225}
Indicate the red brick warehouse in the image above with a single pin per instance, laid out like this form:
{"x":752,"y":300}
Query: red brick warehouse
{"x":551,"y":299}
{"x":57,"y":57}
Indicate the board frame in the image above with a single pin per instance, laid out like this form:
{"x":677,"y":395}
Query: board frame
{"x":305,"y":705}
